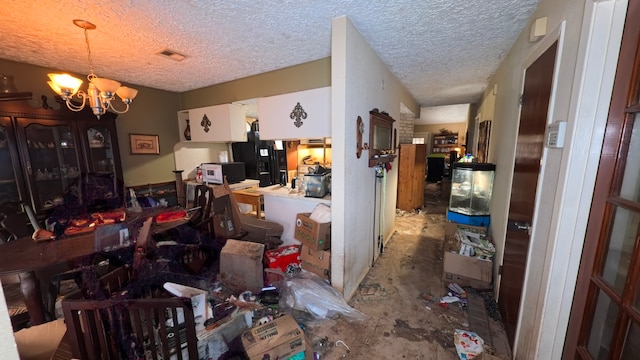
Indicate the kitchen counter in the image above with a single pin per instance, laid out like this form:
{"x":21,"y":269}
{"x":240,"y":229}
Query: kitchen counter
{"x":282,"y":205}
{"x":287,"y":192}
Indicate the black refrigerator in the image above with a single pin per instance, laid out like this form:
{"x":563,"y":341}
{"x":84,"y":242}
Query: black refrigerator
{"x":262,"y":160}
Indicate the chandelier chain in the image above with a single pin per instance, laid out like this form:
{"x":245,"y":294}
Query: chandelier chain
{"x":86,"y":40}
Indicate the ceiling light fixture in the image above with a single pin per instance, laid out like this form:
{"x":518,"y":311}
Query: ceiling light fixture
{"x":100,"y":91}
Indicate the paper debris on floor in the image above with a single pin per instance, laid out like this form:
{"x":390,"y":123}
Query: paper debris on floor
{"x":468,"y":344}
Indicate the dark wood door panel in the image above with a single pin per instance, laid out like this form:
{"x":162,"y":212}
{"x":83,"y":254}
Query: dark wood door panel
{"x":533,"y":119}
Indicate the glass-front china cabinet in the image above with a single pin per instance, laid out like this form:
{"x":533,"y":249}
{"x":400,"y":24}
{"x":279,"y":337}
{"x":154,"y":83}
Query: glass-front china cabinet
{"x":55,"y":153}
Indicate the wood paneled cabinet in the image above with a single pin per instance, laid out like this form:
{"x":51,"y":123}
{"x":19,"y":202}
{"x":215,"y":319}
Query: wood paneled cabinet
{"x":55,"y":153}
{"x":297,"y":115}
{"x":411,"y":176}
{"x":219,"y":123}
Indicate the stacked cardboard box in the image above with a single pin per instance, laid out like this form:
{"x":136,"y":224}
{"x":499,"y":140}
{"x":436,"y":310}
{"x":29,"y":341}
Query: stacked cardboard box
{"x":315,"y":254}
{"x":468,"y":255}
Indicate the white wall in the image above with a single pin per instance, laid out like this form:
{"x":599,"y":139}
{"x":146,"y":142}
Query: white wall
{"x":359,"y":82}
{"x":189,"y":155}
{"x":582,"y":88}
{"x":7,"y":341}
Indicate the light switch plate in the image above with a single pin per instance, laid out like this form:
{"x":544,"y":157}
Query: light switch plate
{"x":555,"y":134}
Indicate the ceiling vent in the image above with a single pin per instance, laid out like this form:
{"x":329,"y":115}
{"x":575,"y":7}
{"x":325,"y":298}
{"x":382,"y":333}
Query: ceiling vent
{"x":171,"y":55}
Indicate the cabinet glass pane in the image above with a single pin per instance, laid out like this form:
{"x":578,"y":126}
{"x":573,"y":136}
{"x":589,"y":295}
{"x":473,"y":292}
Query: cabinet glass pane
{"x":8,"y":186}
{"x":619,"y":252}
{"x":604,"y":319}
{"x":101,"y":188}
{"x":630,"y":188}
{"x":101,"y":153}
{"x":632,"y":343}
{"x":53,"y":161}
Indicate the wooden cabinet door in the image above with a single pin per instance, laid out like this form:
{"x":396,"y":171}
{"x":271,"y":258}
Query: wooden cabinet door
{"x":298,"y":115}
{"x":11,"y":180}
{"x":102,"y":156}
{"x":52,"y":159}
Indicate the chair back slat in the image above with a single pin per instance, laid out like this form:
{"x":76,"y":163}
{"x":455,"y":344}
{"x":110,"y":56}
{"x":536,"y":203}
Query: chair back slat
{"x":112,"y":329}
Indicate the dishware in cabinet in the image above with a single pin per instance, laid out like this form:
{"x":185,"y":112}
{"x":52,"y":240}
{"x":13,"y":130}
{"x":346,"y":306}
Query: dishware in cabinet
{"x":50,"y":149}
{"x":99,"y":139}
{"x":11,"y":183}
{"x":51,"y":159}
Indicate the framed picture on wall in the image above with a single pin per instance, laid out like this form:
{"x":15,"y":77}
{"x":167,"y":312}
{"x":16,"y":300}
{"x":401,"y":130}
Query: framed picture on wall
{"x":144,"y":144}
{"x":484,"y":134}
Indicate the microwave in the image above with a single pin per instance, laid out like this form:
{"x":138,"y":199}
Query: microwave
{"x":214,"y":173}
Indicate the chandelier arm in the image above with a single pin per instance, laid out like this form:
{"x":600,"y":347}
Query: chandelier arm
{"x":110,"y":106}
{"x":74,"y":107}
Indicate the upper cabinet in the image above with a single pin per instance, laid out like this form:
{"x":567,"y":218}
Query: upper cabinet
{"x":219,"y":123}
{"x":297,"y":115}
{"x":54,"y":156}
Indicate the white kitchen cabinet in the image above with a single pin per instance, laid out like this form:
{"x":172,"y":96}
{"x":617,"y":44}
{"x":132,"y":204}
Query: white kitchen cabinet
{"x":219,"y":123}
{"x":297,"y":115}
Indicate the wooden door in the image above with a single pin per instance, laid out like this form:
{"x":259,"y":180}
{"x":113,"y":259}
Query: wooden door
{"x":533,"y":120}
{"x":605,"y":315}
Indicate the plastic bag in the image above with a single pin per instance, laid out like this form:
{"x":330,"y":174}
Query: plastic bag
{"x":308,"y":292}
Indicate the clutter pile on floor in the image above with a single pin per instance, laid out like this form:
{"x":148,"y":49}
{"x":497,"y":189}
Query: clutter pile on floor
{"x":269,"y":323}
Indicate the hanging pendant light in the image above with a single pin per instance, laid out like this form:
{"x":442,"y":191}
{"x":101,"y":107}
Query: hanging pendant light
{"x":100,"y":91}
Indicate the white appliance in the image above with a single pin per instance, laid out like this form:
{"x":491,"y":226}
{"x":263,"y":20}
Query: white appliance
{"x":212,"y":173}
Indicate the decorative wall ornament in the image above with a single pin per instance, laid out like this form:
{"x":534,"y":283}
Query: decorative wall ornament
{"x":298,"y":114}
{"x":205,"y":123}
{"x":187,"y":131}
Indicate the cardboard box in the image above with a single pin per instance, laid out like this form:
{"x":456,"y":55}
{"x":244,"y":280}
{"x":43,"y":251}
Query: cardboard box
{"x":464,"y":270}
{"x":280,"y":338}
{"x":283,"y":256}
{"x":241,"y":266}
{"x":315,"y":235}
{"x":201,"y":309}
{"x":316,"y":261}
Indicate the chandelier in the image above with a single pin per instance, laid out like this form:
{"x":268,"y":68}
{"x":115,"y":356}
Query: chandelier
{"x":100,"y":91}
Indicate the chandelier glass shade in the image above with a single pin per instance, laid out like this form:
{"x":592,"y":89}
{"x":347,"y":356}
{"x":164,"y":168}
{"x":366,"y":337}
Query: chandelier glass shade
{"x":100,"y":91}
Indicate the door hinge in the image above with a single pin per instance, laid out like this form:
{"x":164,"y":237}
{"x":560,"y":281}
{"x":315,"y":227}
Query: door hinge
{"x":520,"y":99}
{"x":500,"y":270}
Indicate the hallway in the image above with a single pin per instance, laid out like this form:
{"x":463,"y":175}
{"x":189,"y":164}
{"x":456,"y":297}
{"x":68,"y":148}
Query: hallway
{"x":400,"y":295}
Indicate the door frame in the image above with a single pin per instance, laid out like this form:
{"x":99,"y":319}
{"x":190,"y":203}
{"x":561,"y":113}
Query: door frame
{"x":600,"y":38}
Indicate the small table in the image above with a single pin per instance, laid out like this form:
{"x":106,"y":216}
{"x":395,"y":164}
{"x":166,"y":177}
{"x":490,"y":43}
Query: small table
{"x":251,"y":197}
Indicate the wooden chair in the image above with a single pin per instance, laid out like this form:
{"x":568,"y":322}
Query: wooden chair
{"x":90,"y":283}
{"x":125,"y":329}
{"x":203,"y":198}
{"x":14,"y":225}
{"x":189,"y":246}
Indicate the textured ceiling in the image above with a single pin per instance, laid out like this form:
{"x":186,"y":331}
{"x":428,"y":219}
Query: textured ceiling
{"x":444,"y":51}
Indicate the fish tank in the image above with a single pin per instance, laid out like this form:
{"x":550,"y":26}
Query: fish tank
{"x":471,"y":189}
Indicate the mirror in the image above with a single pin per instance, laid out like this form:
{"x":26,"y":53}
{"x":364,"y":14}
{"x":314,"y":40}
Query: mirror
{"x":380,"y":137}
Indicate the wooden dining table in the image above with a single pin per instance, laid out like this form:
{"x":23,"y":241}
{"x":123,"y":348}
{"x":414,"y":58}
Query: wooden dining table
{"x":25,"y":257}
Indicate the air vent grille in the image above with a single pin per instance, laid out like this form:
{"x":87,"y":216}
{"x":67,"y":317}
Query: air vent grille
{"x":173,"y":55}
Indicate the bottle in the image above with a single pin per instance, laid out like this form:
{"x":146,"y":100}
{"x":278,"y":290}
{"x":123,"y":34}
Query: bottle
{"x":187,"y":131}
